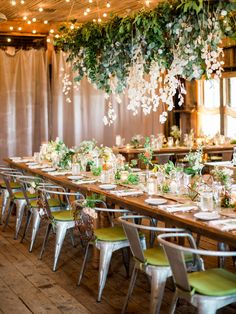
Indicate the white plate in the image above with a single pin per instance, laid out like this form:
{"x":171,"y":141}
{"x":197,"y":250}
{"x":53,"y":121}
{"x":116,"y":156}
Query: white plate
{"x":107,"y":186}
{"x":31,"y":163}
{"x":207,"y":215}
{"x":135,"y":169}
{"x":75,"y":177}
{"x":155,"y":201}
{"x":48,"y":169}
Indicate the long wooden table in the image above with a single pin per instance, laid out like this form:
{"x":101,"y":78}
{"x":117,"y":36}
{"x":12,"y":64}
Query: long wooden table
{"x":137,"y":204}
{"x":225,"y":150}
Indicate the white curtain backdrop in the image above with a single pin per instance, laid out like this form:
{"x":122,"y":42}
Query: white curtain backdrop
{"x":23,"y":102}
{"x":82,"y":118}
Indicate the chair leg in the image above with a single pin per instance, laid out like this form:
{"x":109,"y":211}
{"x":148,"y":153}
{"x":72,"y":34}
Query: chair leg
{"x":35,"y":228}
{"x":45,"y":241}
{"x":173,"y":303}
{"x":72,"y":237}
{"x":20,"y":207}
{"x":158,"y":282}
{"x":126,"y":259}
{"x":5,"y":204}
{"x":60,"y":236}
{"x":106,"y":250}
{"x":221,"y":260}
{"x":131,"y":288}
{"x":27,"y":223}
{"x":86,"y":255}
{"x":205,"y":307}
{"x":8,"y":216}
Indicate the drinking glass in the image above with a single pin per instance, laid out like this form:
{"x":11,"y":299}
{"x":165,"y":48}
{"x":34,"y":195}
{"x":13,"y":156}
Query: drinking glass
{"x":206,"y":201}
{"x":75,"y":169}
{"x":151,"y":186}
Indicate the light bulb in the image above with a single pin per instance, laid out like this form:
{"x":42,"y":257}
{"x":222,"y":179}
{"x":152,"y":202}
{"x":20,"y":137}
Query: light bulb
{"x":34,"y":19}
{"x":19,"y":28}
{"x":34,"y":31}
{"x":24,"y":18}
{"x":11,"y":28}
{"x":108,"y":4}
{"x":51,"y":31}
{"x":45,"y":22}
{"x":85,"y":13}
{"x":104,"y":14}
{"x":9,"y":40}
{"x":29,"y":22}
{"x":99,"y":20}
{"x":40,"y":9}
{"x":13,"y":2}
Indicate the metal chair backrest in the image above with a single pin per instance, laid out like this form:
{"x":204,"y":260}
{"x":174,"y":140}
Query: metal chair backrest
{"x":176,"y":257}
{"x":8,"y":177}
{"x":132,"y":225}
{"x":59,"y":192}
{"x":29,"y":184}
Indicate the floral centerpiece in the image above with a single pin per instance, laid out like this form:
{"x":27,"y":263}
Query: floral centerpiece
{"x":57,"y":153}
{"x":175,"y":133}
{"x":87,"y":154}
{"x":136,"y":140}
{"x":195,"y":162}
{"x":224,"y":176}
{"x":146,"y":157}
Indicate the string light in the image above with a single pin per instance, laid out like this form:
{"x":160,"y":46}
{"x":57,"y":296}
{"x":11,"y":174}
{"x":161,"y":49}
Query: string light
{"x":57,"y":35}
{"x":108,"y":5}
{"x":88,"y":10}
{"x":51,"y":31}
{"x":67,"y":0}
{"x":94,"y":20}
{"x":9,"y":40}
{"x":72,"y":26}
{"x":13,"y":2}
{"x":45,"y":22}
{"x":85,"y":13}
{"x":22,"y":2}
{"x":90,"y":1}
{"x":104,"y":14}
{"x":48,"y":40}
{"x":25,"y":18}
{"x":99,"y":20}
{"x":19,"y":28}
{"x":34,"y":31}
{"x":34,"y":19}
{"x":40,"y":9}
{"x":29,"y":22}
{"x":11,"y":28}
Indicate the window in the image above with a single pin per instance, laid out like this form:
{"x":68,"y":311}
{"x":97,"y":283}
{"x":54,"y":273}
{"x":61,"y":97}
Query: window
{"x":217,"y":106}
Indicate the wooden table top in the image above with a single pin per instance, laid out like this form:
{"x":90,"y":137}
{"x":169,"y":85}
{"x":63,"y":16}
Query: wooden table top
{"x":137,"y":204}
{"x":176,"y":150}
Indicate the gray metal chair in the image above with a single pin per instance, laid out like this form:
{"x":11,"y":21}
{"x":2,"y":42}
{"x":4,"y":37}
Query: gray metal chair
{"x":58,"y":221}
{"x":107,"y":240}
{"x":4,"y":192}
{"x":208,"y":290}
{"x":16,"y":197}
{"x":151,"y":261}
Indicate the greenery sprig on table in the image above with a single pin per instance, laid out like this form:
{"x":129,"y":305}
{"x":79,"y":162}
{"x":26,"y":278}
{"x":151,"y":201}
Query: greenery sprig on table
{"x":177,"y":39}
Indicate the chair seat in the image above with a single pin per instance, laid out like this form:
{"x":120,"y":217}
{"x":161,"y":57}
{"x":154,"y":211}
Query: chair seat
{"x":156,"y":256}
{"x":213,"y":282}
{"x":64,"y":215}
{"x":110,"y":234}
{"x":52,"y":202}
{"x":20,"y":195}
{"x":13,"y":185}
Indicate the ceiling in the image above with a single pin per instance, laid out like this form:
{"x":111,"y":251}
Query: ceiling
{"x":20,"y":13}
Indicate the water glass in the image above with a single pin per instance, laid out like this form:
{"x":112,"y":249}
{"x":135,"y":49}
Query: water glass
{"x":37,"y":157}
{"x":151,"y":186}
{"x":206,"y":201}
{"x":75,"y":169}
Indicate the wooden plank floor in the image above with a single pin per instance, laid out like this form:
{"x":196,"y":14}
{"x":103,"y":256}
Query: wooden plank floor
{"x":28,"y":285}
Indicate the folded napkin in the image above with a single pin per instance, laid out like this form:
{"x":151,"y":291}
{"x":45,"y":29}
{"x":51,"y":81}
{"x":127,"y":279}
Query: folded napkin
{"x":224,"y":224}
{"x":60,"y":173}
{"x":177,"y":208}
{"x":131,"y":192}
{"x":84,"y":181}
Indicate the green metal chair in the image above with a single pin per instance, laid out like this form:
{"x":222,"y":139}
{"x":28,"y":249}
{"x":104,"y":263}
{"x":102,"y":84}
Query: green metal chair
{"x":4,"y":192}
{"x":16,"y":197}
{"x":208,"y":290}
{"x":151,"y":261}
{"x":58,"y":221}
{"x":107,"y":240}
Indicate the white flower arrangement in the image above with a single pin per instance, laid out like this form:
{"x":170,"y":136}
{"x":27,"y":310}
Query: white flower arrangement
{"x":195,"y":161}
{"x":175,"y":132}
{"x":222,"y":175}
